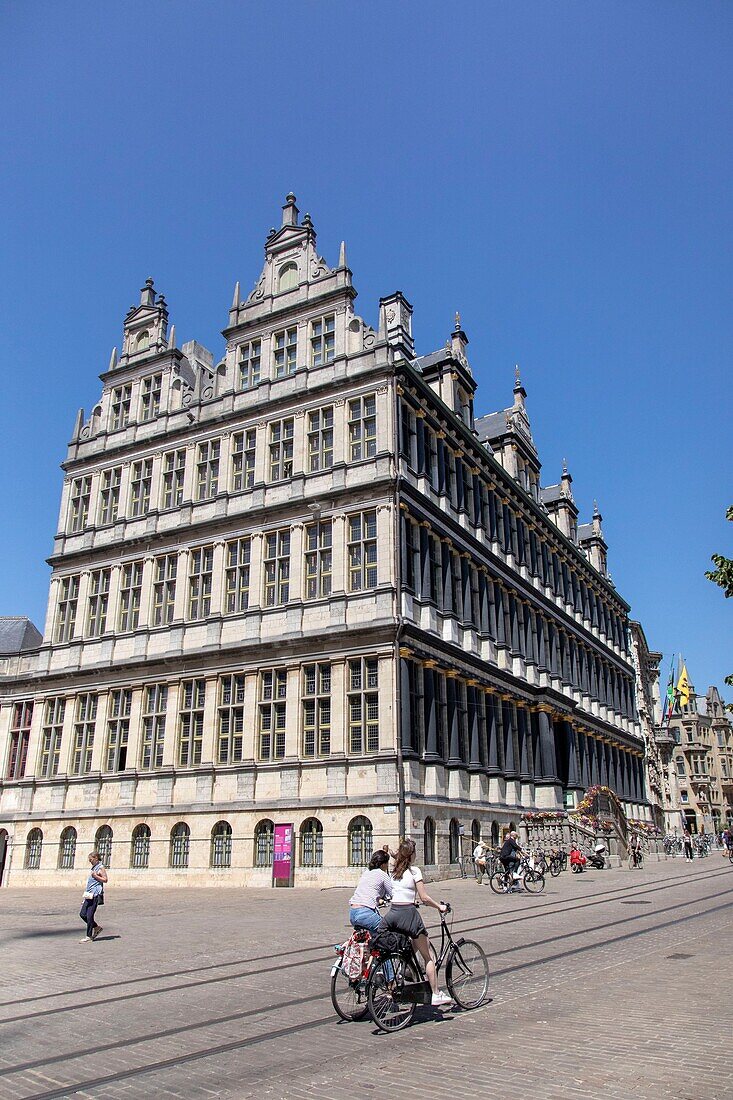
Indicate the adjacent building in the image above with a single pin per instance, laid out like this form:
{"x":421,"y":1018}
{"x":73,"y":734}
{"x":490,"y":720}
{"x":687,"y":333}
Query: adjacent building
{"x":702,"y":761}
{"x":304,"y":583}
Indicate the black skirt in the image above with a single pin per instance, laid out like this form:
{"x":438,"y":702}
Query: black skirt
{"x":405,"y":919}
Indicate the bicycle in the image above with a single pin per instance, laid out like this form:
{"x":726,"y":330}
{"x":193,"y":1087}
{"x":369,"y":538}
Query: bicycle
{"x":553,"y":865}
{"x":637,"y":858}
{"x":503,"y":882}
{"x":349,"y":994}
{"x":397,"y":983}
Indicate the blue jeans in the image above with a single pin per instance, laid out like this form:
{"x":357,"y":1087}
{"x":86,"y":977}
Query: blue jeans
{"x":361,"y":917}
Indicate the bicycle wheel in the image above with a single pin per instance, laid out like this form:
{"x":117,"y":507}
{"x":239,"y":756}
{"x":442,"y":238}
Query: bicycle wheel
{"x":349,"y":997}
{"x":555,"y":869}
{"x":385,"y":982}
{"x":534,"y":882}
{"x":467,"y":974}
{"x":497,"y":882}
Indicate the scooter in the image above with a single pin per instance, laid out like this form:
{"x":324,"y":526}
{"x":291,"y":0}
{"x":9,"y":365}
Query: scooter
{"x":597,"y":858}
{"x":577,"y":860}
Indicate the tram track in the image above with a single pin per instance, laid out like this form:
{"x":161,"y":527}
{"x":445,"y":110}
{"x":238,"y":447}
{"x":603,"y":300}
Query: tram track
{"x":537,"y":909}
{"x":276,"y":1033}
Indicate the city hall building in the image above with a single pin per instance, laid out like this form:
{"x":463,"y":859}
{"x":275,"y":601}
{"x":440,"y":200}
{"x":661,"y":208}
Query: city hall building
{"x":305,"y":584}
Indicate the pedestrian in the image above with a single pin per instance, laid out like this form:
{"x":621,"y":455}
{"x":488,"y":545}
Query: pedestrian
{"x":93,"y":897}
{"x":687,"y":841}
{"x":479,"y":861}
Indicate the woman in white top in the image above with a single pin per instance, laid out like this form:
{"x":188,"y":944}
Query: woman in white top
{"x":407,"y":889}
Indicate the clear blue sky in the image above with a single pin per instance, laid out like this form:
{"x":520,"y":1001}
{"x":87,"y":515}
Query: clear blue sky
{"x":560,"y":173}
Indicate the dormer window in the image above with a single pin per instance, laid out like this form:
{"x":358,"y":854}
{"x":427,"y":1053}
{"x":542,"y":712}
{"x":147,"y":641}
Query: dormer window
{"x":142,"y":343}
{"x":287,"y":278}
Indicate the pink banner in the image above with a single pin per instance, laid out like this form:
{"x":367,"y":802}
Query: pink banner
{"x":282,"y":862}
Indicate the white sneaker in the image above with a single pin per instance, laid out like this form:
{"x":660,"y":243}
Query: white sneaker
{"x":87,"y":939}
{"x":441,"y":998}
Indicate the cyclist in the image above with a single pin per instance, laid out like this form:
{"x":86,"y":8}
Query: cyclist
{"x":636,"y":850}
{"x":728,"y":840}
{"x":509,"y":855}
{"x":373,"y":885}
{"x":407,"y":889}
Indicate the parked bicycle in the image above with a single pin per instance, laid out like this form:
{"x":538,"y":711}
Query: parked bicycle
{"x":503,"y":882}
{"x":551,"y":865}
{"x":396,"y":982}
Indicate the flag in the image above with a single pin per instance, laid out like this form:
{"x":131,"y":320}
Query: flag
{"x":683,"y":687}
{"x":669,"y":706}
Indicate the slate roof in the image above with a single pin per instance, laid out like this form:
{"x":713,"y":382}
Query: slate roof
{"x":550,"y":494}
{"x":17,"y":634}
{"x":585,"y":531}
{"x":492,"y":426}
{"x":430,"y":360}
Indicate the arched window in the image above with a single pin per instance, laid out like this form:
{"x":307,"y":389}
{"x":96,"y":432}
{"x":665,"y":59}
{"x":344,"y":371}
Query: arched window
{"x":103,"y":844}
{"x":33,"y":846}
{"x":360,"y":841}
{"x":67,"y":849}
{"x":140,"y":849}
{"x":475,"y":832}
{"x":221,"y":845}
{"x":454,"y":841}
{"x":180,"y":843}
{"x":142,"y":341}
{"x":429,"y":842}
{"x":494,"y":834}
{"x":311,"y":843}
{"x":288,"y":277}
{"x":264,"y":841}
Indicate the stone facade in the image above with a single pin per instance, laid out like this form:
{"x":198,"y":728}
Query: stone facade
{"x":304,"y":584}
{"x":702,"y":762}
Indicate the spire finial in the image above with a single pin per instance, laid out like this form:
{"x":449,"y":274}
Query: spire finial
{"x":342,"y":255}
{"x":113,"y":359}
{"x":564,"y":467}
{"x":290,"y":210}
{"x":517,"y":379}
{"x":235,"y":298}
{"x":147,"y":293}
{"x":595,"y":508}
{"x":458,"y":322}
{"x":172,"y":338}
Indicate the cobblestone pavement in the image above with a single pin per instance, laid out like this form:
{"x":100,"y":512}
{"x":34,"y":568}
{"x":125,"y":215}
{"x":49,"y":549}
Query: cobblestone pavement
{"x":613,"y":984}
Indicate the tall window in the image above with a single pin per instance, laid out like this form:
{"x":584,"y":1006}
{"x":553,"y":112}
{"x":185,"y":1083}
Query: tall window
{"x":142,"y":478}
{"x":33,"y":848}
{"x":191,"y":722}
{"x":81,"y":492}
{"x":318,"y":559}
{"x":131,"y":588}
{"x":316,"y":710}
{"x":273,"y":689}
{"x":180,"y":845}
{"x":221,"y":845}
{"x":277,"y":568}
{"x":311,"y":843}
{"x":361,"y":840}
{"x":140,"y":848}
{"x":53,"y":724}
{"x":238,"y":555}
{"x":150,"y":390}
{"x":363,"y":427}
{"x":264,"y":843}
{"x":285,"y":352}
{"x":320,"y":439}
{"x":20,"y":733}
{"x":281,"y":449}
{"x":103,"y":844}
{"x":174,"y":472}
{"x":287,"y":278}
{"x":429,"y":842}
{"x":363,"y":551}
{"x":155,"y":701}
{"x":230,"y":737}
{"x":200,"y":577}
{"x":364,"y":704}
{"x":207,"y":469}
{"x":164,"y":589}
{"x":120,"y":407}
{"x":85,"y":721}
{"x":243,"y":460}
{"x":109,"y":494}
{"x":66,"y":608}
{"x":323,"y":340}
{"x":249,"y":364}
{"x":98,"y":602}
{"x":118,"y":729}
{"x":454,"y":841}
{"x":67,"y":848}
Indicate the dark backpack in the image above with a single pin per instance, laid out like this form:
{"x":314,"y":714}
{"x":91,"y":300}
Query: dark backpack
{"x":387,"y":942}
